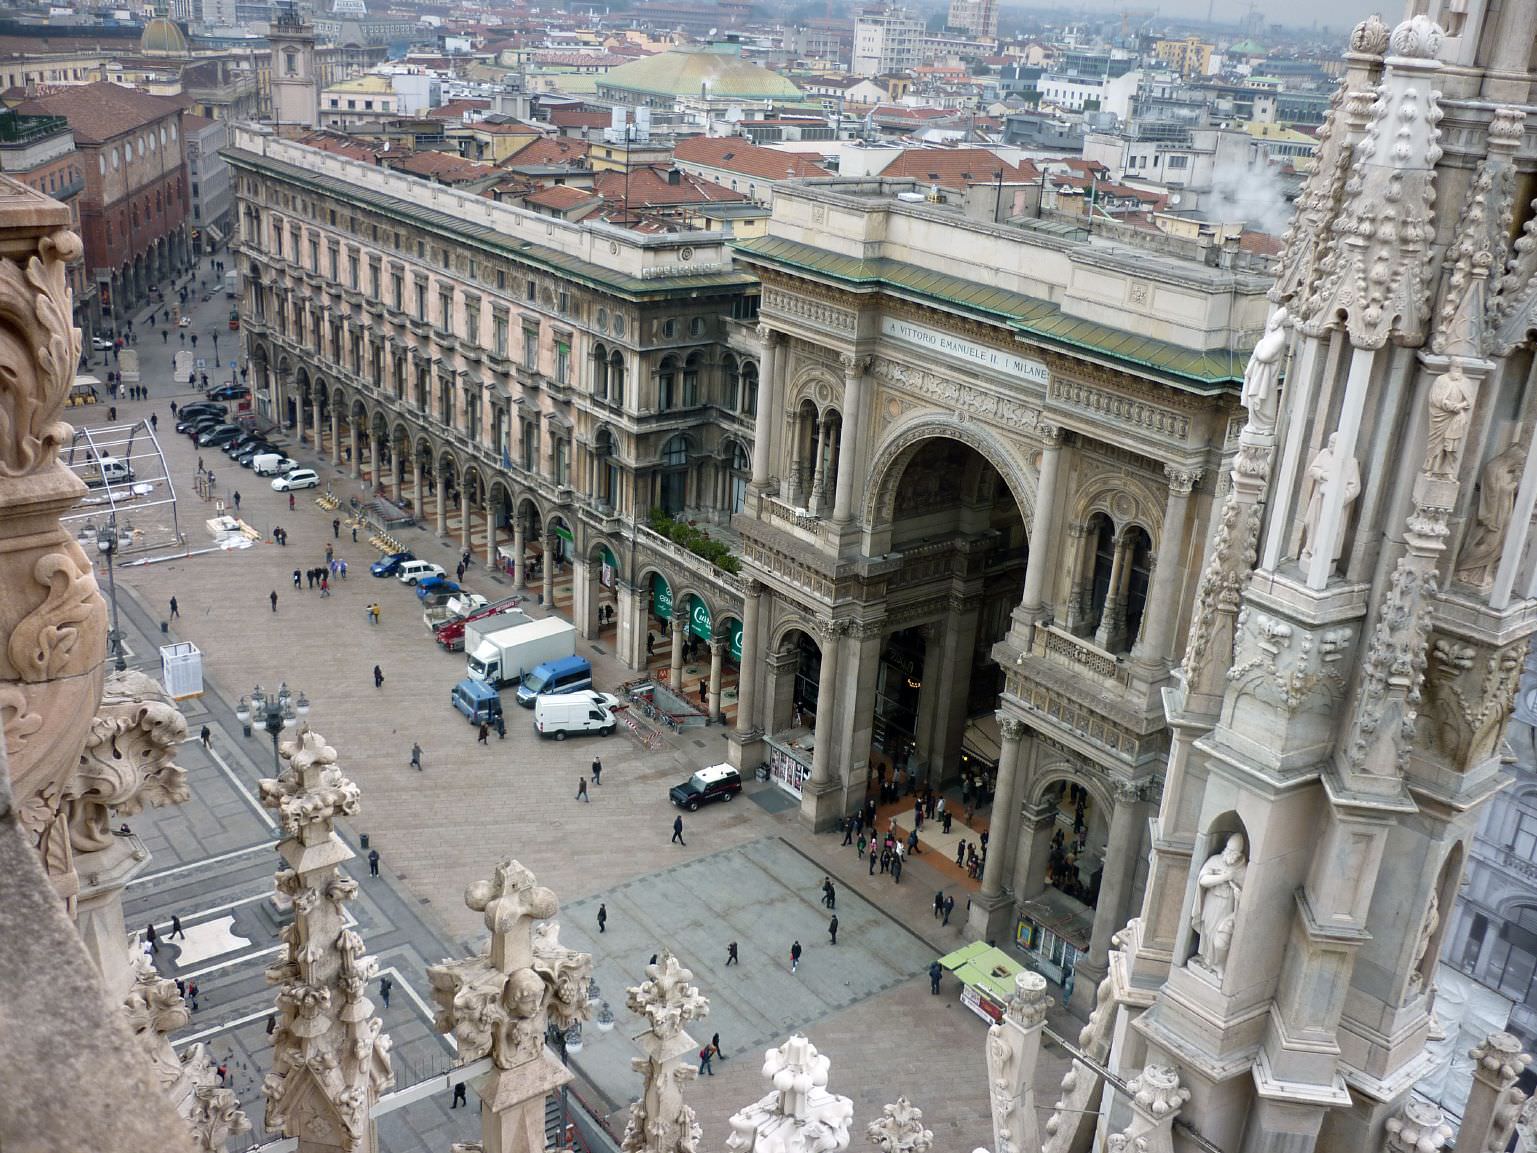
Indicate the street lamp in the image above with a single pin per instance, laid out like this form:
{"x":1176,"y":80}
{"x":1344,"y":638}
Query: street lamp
{"x":273,"y":712}
{"x":106,"y":544}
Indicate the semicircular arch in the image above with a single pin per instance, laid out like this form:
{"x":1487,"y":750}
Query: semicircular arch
{"x":903,"y":441}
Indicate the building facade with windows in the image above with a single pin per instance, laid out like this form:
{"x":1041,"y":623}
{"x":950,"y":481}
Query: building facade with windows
{"x":209,"y":180}
{"x":535,"y":387}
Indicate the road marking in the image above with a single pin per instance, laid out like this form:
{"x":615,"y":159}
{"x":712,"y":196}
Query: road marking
{"x":190,"y":865}
{"x":196,"y":916}
{"x":261,"y":810}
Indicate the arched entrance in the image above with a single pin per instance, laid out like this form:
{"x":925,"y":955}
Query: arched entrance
{"x":792,"y":671}
{"x":596,"y":587}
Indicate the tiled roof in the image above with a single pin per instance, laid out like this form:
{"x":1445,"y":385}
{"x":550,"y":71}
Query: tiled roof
{"x":734,"y":154}
{"x":561,"y":197}
{"x":579,"y":118}
{"x":956,"y":167}
{"x":340,"y":144}
{"x":98,"y":112}
{"x":649,"y":187}
{"x":455,"y":109}
{"x":445,"y":167}
{"x":548,"y":150}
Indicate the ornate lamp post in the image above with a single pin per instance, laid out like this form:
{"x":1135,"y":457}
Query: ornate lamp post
{"x":106,"y":544}
{"x":274,"y":712}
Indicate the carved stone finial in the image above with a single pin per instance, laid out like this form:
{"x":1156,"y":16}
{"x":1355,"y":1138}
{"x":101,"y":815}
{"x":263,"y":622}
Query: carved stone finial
{"x":1499,"y":1055}
{"x":800,"y":1113}
{"x":1420,"y":1128}
{"x":1418,"y":38}
{"x":1370,"y":37}
{"x":1029,"y":1001}
{"x":900,"y":1129}
{"x":1157,"y":1091}
{"x":660,"y":1122}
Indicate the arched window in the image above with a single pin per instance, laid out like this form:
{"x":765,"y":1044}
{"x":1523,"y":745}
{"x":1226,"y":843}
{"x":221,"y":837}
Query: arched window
{"x":1139,"y":551}
{"x":672,"y":492}
{"x":616,"y":377}
{"x":731,"y":380}
{"x":691,"y":379}
{"x":749,"y":388}
{"x":599,"y":372}
{"x":1102,"y":539}
{"x":741,"y":471}
{"x":667,"y":384}
{"x":607,"y":478}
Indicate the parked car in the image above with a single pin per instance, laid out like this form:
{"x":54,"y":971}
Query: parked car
{"x":717,"y":783}
{"x":272,"y":464}
{"x":575,"y":713}
{"x":429,"y":585}
{"x":251,"y":451}
{"x":204,"y":423}
{"x":390,"y":565}
{"x":101,"y":344}
{"x":412,"y":571}
{"x":242,"y":442}
{"x":219,"y":435}
{"x":477,"y":700}
{"x":229,"y":392}
{"x":571,"y":674}
{"x":298,"y":478}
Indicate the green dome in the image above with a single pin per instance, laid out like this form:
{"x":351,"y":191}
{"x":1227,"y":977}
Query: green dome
{"x":163,"y":38}
{"x":695,"y":68}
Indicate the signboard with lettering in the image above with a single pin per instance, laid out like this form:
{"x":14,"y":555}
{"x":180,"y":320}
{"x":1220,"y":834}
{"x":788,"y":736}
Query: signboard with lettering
{"x":966,"y":351}
{"x":661,"y":598}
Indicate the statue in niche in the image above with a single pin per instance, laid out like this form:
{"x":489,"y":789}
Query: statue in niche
{"x":1259,"y":378}
{"x":1319,"y":471}
{"x":1219,"y":890}
{"x":1451,"y":411}
{"x":1497,"y":486}
{"x":1428,"y":929}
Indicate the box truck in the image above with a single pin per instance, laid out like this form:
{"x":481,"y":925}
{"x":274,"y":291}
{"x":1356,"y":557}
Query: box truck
{"x":502,"y":657}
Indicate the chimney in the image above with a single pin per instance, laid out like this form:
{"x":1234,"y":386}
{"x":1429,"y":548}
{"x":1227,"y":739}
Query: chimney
{"x":674,"y":176}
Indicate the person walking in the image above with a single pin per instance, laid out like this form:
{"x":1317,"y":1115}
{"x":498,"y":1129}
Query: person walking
{"x":935,"y":972}
{"x":715,"y":1044}
{"x":501,"y":727}
{"x":581,"y":790}
{"x":272,"y":1023}
{"x":939,"y":904}
{"x":354,"y":534}
{"x":385,"y":985}
{"x":731,"y":957}
{"x":949,"y":908}
{"x":827,"y":887}
{"x":848,"y":831}
{"x":832,"y":929}
{"x":416,"y":757}
{"x":176,"y":930}
{"x":175,"y":609}
{"x":872,"y":858}
{"x":677,"y":832}
{"x":459,"y":1096}
{"x":373,"y":862}
{"x":192,"y":994}
{"x":235,"y":496}
{"x":290,"y":502}
{"x":154,"y":420}
{"x":206,"y":736}
{"x":298,"y":578}
{"x":325,"y":584}
{"x":795,"y":956}
{"x":485,"y":731}
{"x":274,"y":600}
{"x":336,"y":528}
{"x":860,"y":845}
{"x":705,"y":1056}
{"x":602,"y":918}
{"x":896,"y":869}
{"x":597,"y":771}
{"x":149,"y":935}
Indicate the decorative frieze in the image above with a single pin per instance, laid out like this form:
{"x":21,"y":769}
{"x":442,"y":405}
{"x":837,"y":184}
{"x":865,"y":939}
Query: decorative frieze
{"x":966,"y":396}
{"x":1133,"y":413}
{"x":796,"y":306}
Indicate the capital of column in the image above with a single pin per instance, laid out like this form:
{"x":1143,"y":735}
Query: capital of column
{"x":769,"y":336}
{"x":1052,"y":435}
{"x":1012,"y":729}
{"x":717,"y":646}
{"x":1182,"y":481}
{"x":831,"y":630}
{"x":854,"y":364}
{"x":679,"y":624}
{"x":1129,"y":792}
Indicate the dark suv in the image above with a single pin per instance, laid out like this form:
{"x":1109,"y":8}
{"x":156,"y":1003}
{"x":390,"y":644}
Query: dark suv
{"x":717,"y":783}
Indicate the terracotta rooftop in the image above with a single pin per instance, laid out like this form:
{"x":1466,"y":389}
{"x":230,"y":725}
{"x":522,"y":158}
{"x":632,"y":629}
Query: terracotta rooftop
{"x":561,"y":197}
{"x":649,"y":187}
{"x":734,"y":154}
{"x":342,"y":145}
{"x":578,"y":118}
{"x":455,"y":109}
{"x":548,"y":150}
{"x":957,"y":168}
{"x":444,"y":167}
{"x":98,"y":112}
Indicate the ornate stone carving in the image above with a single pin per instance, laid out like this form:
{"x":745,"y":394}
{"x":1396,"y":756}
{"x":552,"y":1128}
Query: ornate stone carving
{"x":800,"y":1115}
{"x":998,"y":406}
{"x":1182,"y":481}
{"x":1156,"y":1099}
{"x":1451,"y":411}
{"x":660,"y":1122}
{"x":1467,"y":697}
{"x":1319,"y":470}
{"x":900,"y":1129}
{"x":1218,"y":896}
{"x":1128,"y":411}
{"x":1420,"y":1128}
{"x":1497,"y":486}
{"x":1261,"y":377}
{"x":127,"y":759}
{"x":1419,"y":37}
{"x":43,"y":349}
{"x":1370,"y":36}
{"x":330,"y":1054}
{"x":1287,"y":667}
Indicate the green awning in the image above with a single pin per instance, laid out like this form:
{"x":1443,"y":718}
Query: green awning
{"x":985,"y":967}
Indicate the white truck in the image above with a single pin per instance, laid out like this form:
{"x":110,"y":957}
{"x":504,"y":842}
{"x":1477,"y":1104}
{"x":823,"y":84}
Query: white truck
{"x":502,"y":656}
{"x":460,"y":604}
{"x":232,"y":284}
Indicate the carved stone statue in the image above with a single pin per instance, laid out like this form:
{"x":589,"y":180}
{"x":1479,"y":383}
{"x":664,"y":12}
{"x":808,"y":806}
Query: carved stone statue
{"x":1451,"y":411}
{"x":900,"y":1129}
{"x":1219,"y":891}
{"x":1428,"y":929}
{"x":660,"y":1121}
{"x":800,"y":1115}
{"x":1497,"y":486}
{"x":1319,"y":471}
{"x":1259,"y":394}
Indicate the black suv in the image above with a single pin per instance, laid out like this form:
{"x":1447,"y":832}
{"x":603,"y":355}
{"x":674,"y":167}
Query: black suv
{"x":717,"y":783}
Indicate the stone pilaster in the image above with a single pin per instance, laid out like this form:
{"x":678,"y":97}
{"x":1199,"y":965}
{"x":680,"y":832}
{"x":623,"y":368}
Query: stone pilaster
{"x":661,"y":1122}
{"x":1013,"y":1048}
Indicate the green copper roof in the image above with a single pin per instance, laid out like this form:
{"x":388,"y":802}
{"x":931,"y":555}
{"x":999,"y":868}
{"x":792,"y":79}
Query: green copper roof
{"x":688,"y":70}
{"x":1039,"y":320}
{"x":489,"y":239}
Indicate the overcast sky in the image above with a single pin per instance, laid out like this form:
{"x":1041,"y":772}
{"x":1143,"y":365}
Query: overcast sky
{"x":1296,"y":13}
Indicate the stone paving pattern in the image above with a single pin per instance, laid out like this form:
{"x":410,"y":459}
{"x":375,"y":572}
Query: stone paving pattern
{"x":749,"y":872}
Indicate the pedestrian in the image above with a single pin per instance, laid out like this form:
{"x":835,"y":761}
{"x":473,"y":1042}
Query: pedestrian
{"x":175,"y":611}
{"x":704,"y":691}
{"x":715,"y":1044}
{"x":896,"y":869}
{"x":274,"y":600}
{"x":385,"y":985}
{"x":459,"y":572}
{"x":290,"y":502}
{"x":207,"y":737}
{"x":602,"y":918}
{"x":296,"y":580}
{"x":832,"y":895}
{"x":165,"y":335}
{"x":501,"y":727}
{"x":154,"y":421}
{"x":677,"y":832}
{"x":597,"y":771}
{"x":272,"y":1023}
{"x":912,"y":842}
{"x":192,"y":994}
{"x":731,"y":957}
{"x":235,"y":496}
{"x":416,"y":757}
{"x":485,"y":731}
{"x":939,"y":904}
{"x":705,"y":1056}
{"x":336,"y":529}
{"x":960,"y":853}
{"x":860,"y":845}
{"x":581,"y":790}
{"x":459,"y":1096}
{"x":935,"y":972}
{"x":795,"y":956}
{"x":376,"y":612}
{"x":949,"y":908}
{"x":378,"y":677}
{"x":872,"y":858}
{"x":176,"y":930}
{"x":223,"y":1072}
{"x":650,"y":644}
{"x":373,"y":862}
{"x":885,"y":859}
{"x":832,"y":929}
{"x":149,"y":935}
{"x":354,"y":534}
{"x":848,"y":832}
{"x":325,"y":585}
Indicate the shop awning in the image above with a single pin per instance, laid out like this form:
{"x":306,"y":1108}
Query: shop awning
{"x":981,"y":738}
{"x":985,"y":967}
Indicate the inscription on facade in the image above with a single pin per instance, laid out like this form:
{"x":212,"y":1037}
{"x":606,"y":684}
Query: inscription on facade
{"x":966,"y":351}
{"x":1126,"y":411}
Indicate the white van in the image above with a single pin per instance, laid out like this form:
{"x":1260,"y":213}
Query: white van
{"x":555,"y":716}
{"x":110,"y":470}
{"x":271,"y":464}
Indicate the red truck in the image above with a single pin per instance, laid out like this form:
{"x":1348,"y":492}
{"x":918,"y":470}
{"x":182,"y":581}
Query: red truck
{"x":450,"y":634}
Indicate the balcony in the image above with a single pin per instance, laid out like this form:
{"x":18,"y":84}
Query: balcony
{"x":1083,"y":654}
{"x":796,"y":519}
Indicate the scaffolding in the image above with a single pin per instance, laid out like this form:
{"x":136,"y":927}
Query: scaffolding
{"x":128,"y":487}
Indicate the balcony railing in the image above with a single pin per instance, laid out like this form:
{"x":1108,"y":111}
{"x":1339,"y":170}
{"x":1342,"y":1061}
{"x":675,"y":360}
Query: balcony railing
{"x":1083,"y":654}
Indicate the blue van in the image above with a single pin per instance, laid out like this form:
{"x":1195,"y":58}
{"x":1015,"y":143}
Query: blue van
{"x":566,"y":675}
{"x":477,"y":700}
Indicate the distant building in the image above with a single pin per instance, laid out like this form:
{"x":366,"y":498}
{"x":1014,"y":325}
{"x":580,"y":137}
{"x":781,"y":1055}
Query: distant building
{"x":362,"y":100}
{"x":741,"y":166}
{"x":1190,"y":56}
{"x":208,"y":181}
{"x":978,"y":17}
{"x":886,"y":41}
{"x":40,"y":152}
{"x":714,"y":75}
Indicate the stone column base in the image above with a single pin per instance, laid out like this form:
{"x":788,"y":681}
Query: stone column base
{"x":1086,"y":979}
{"x":744,"y":752}
{"x":821,"y":805}
{"x":991,"y":919}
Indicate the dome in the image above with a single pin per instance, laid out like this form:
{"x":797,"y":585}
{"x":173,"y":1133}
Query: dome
{"x":696,"y":68}
{"x":163,"y":37}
